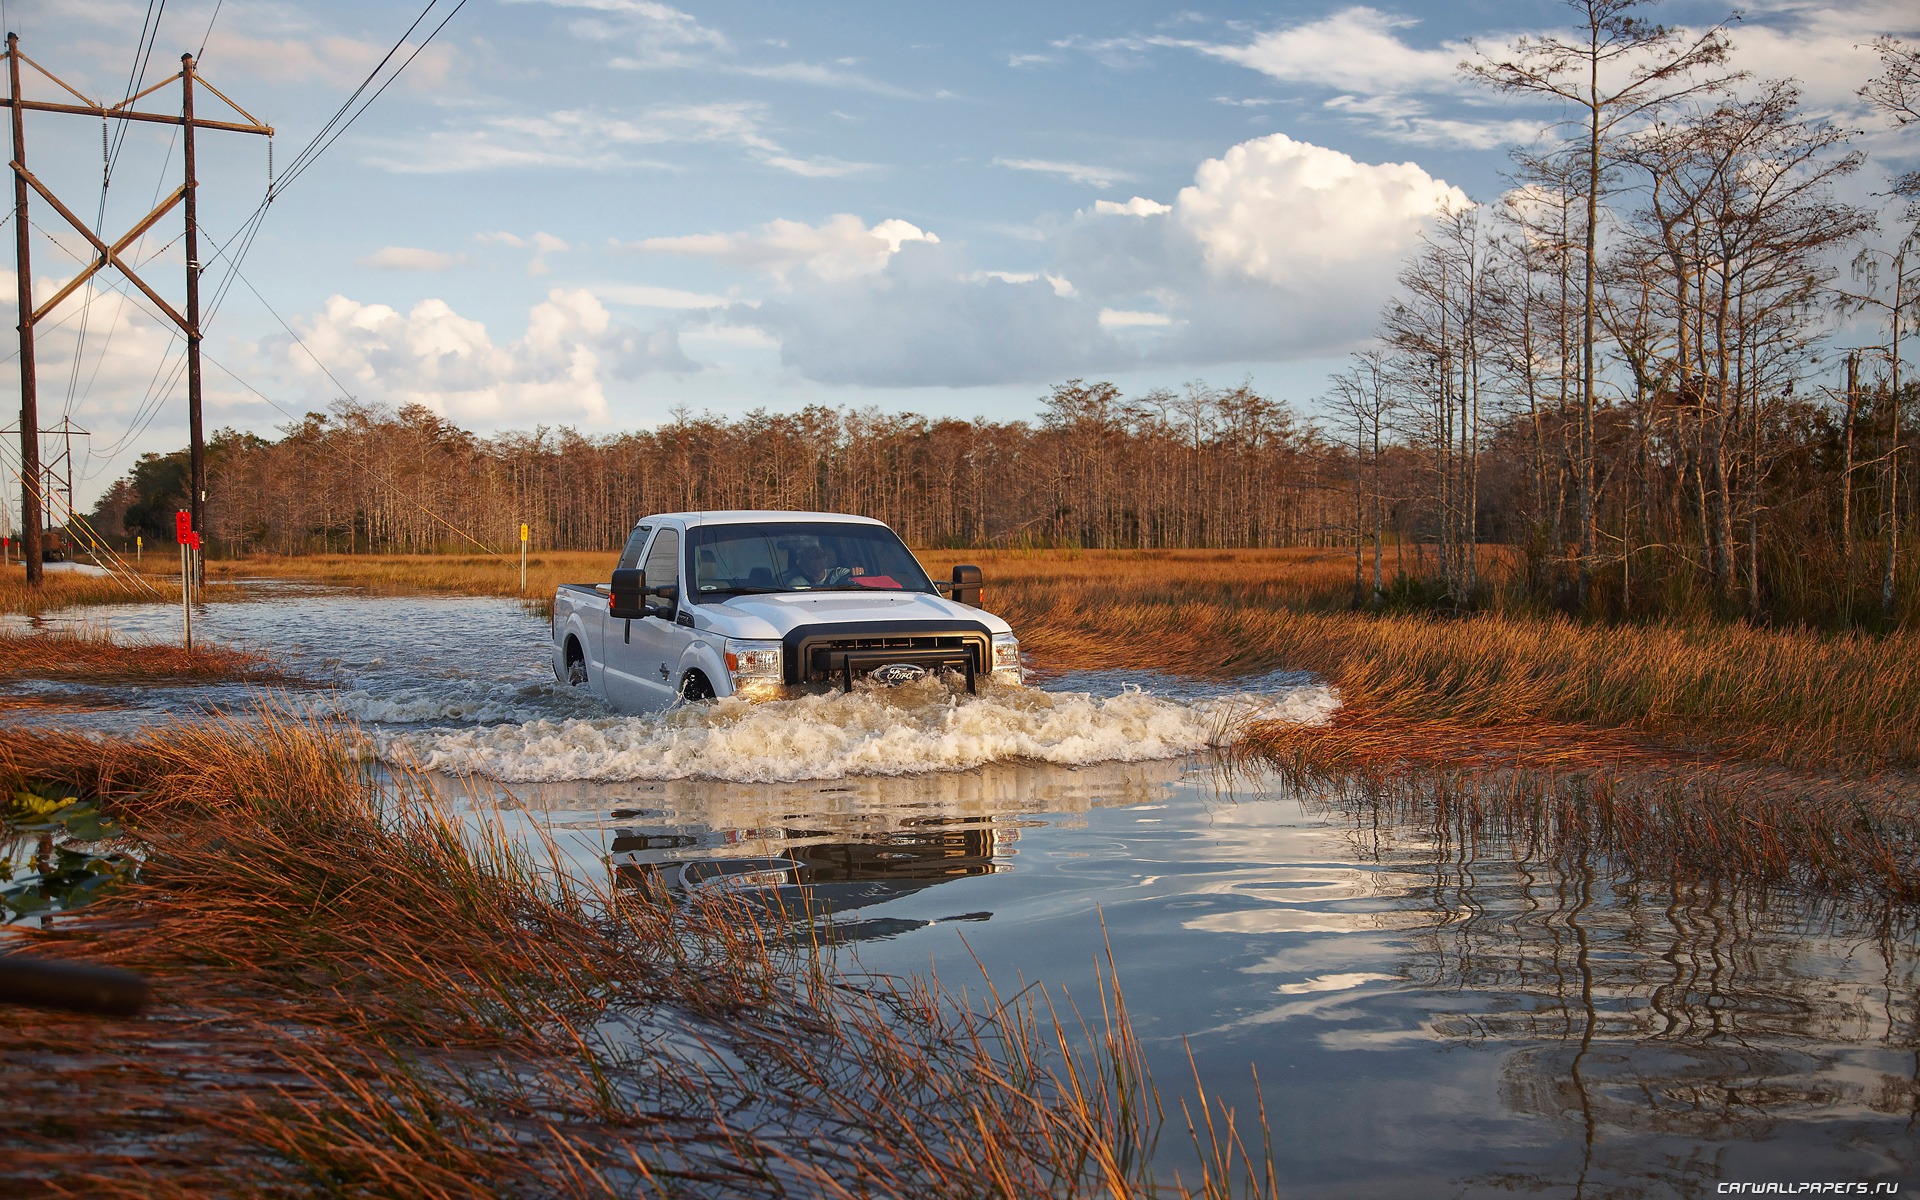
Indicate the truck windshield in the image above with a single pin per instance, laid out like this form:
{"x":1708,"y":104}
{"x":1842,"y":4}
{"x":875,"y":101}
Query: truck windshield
{"x":801,"y":556}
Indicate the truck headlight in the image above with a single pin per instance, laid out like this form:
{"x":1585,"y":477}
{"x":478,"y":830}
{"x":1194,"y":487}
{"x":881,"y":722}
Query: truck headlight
{"x":1006,"y":656}
{"x":754,"y":666}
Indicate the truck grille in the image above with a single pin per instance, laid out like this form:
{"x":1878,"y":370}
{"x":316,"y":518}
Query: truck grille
{"x":824,"y":654}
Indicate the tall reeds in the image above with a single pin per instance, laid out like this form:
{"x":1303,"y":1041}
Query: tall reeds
{"x":358,"y":995}
{"x":1824,"y":701}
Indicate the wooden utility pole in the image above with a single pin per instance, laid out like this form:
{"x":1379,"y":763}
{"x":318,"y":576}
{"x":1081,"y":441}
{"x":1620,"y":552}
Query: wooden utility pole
{"x":108,"y":256}
{"x":196,"y":455}
{"x":29,"y":394}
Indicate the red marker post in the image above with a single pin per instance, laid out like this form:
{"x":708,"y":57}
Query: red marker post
{"x":184,"y":534}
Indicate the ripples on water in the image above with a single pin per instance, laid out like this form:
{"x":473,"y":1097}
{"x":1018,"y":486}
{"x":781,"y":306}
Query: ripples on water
{"x":1424,"y":1021}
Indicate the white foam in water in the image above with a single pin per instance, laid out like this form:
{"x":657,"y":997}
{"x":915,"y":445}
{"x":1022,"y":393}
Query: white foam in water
{"x":908,"y":730}
{"x":466,"y":702}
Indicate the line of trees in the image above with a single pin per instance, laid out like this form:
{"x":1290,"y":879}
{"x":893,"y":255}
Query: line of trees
{"x":1202,"y":467}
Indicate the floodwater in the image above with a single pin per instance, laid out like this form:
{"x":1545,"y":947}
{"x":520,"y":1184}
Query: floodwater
{"x":1425,"y":1019}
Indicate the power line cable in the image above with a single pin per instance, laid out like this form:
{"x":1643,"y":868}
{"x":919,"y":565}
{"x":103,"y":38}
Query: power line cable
{"x":142,"y":56}
{"x":314,"y":148}
{"x":293,"y":333}
{"x":295,"y":171}
{"x":150,"y":405}
{"x":198,"y":54}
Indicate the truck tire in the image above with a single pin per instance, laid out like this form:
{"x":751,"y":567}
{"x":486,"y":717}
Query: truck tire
{"x":695,"y":688}
{"x":576,"y":664}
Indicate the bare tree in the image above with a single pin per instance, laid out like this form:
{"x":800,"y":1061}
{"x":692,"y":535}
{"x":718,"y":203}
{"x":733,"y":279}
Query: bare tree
{"x":1616,"y":70}
{"x":1364,"y":393}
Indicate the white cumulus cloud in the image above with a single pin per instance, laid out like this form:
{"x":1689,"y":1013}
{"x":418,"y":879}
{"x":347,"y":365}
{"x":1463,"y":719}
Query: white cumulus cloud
{"x":1279,"y":210}
{"x":1278,"y":249}
{"x":432,"y":355}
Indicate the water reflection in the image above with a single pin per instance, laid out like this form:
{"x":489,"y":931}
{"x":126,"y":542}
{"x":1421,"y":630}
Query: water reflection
{"x":820,"y":850}
{"x":821,"y":881}
{"x":1651,"y":1019}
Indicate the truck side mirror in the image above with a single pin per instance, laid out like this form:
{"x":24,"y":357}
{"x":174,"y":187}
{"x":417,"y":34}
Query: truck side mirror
{"x":629,"y":595}
{"x":667,"y":592}
{"x":965,"y":588}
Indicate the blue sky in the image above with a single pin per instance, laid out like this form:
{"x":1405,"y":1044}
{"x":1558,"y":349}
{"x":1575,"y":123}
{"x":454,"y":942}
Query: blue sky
{"x":590,"y":212}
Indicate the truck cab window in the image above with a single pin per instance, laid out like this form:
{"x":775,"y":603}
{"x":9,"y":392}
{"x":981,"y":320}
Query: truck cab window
{"x":663,"y":559}
{"x":630,"y":556}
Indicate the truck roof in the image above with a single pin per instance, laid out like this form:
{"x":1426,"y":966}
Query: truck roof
{"x":745,"y":516}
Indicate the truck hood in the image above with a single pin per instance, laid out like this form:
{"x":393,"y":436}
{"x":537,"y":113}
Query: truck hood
{"x":774,"y":616}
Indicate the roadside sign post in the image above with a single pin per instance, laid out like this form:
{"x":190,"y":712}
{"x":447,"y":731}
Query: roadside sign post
{"x":139,"y":547}
{"x":183,"y":532}
{"x":523,"y":558}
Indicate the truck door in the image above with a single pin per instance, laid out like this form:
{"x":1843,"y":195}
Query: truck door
{"x":653,"y":656}
{"x":620,"y":670}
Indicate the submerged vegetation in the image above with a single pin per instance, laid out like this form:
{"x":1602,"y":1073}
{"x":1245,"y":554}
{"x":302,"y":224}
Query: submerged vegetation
{"x":358,"y":998}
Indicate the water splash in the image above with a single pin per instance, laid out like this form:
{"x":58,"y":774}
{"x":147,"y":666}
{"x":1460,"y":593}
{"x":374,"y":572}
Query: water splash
{"x":907,"y":730}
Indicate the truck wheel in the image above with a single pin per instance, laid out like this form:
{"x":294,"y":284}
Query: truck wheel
{"x":695,"y":688}
{"x":576,"y":665}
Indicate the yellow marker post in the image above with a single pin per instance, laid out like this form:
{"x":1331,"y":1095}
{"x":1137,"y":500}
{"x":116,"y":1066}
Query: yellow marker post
{"x":523,"y":557}
{"x":139,"y":547}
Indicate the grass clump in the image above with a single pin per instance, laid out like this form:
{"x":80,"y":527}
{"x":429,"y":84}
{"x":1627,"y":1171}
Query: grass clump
{"x":358,"y":997}
{"x":71,"y":589}
{"x":88,"y":656}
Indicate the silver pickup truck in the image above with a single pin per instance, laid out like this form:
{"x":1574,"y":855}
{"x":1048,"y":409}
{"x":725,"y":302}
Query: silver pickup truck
{"x":771,"y":604}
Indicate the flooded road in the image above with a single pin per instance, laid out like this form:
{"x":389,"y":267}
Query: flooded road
{"x":1425,"y":1019}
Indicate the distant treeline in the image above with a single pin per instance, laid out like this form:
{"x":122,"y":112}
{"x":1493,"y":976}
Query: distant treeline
{"x":1204,"y":468}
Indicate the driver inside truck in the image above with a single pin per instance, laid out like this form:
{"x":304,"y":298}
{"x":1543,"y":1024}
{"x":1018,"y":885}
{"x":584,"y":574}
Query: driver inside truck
{"x":813,"y":567}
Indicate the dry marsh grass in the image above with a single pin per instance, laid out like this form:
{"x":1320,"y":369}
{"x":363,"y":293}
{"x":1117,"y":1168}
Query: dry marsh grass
{"x":64,"y":589}
{"x":1823,"y":701}
{"x":89,"y":657}
{"x":358,"y":997}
